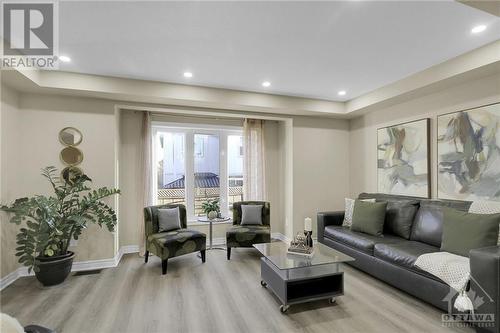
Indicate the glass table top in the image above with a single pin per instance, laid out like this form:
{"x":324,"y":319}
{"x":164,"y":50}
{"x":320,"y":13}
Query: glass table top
{"x":205,"y":219}
{"x":276,"y":252}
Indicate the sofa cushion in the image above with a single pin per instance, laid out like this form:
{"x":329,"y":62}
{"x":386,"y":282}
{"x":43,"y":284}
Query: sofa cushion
{"x":358,"y":240}
{"x":247,"y":235}
{"x":399,"y":217}
{"x":403,"y":253}
{"x":177,"y":242}
{"x":369,"y":217}
{"x":428,"y":225}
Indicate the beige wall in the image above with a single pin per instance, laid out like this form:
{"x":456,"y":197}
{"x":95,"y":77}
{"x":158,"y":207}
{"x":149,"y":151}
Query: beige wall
{"x":363,"y":130}
{"x":30,"y":142}
{"x":130,"y":173}
{"x":9,"y":161}
{"x":320,"y":167}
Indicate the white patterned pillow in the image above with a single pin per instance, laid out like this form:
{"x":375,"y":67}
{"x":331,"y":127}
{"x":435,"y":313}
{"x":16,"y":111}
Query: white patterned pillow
{"x":349,"y":209}
{"x":485,"y":207}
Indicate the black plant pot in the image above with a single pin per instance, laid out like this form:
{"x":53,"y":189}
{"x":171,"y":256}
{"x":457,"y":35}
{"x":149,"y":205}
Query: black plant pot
{"x":54,"y":270}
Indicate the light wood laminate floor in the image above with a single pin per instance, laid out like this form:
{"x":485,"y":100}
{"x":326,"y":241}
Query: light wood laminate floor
{"x":218,"y":296}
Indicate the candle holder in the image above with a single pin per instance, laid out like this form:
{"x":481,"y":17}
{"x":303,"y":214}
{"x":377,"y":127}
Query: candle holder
{"x":309,"y":240}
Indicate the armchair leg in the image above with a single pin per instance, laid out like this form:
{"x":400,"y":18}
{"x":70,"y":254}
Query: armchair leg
{"x":146,"y":256}
{"x":202,"y":252}
{"x":164,"y":266}
{"x":228,"y":253}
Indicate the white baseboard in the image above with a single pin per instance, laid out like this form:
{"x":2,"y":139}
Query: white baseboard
{"x":77,"y":266}
{"x":9,"y":278}
{"x":107,"y":263}
{"x":280,"y":236}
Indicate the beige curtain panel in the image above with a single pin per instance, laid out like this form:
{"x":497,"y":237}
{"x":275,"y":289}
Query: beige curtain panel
{"x":254,"y":180}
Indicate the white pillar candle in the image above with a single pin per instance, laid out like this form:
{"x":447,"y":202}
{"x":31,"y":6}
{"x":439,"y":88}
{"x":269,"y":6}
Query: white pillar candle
{"x":307,"y":224}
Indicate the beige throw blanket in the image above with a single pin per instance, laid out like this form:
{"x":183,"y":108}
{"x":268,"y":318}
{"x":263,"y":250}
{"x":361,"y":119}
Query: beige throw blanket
{"x":452,"y":269}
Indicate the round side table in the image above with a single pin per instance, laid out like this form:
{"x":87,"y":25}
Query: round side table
{"x":204,"y":219}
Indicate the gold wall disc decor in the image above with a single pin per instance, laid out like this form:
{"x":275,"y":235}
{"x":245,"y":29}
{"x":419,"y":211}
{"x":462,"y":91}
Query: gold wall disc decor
{"x":71,"y":156}
{"x":70,"y":173}
{"x":70,"y":136}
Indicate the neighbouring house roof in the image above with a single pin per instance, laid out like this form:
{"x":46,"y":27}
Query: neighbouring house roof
{"x":201,"y":180}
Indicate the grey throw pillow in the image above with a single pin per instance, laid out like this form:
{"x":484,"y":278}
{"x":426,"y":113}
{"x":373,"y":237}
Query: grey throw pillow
{"x":251,"y":214}
{"x":169,"y":219}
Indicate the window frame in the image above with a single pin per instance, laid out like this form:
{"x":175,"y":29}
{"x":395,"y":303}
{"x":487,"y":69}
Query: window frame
{"x":189,"y":130}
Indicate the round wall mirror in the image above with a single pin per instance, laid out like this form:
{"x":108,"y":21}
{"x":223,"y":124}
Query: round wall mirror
{"x":71,"y":156}
{"x":69,"y":174}
{"x":70,"y":136}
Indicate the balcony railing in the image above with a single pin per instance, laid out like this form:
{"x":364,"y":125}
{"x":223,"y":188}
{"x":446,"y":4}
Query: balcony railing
{"x":178,"y":196}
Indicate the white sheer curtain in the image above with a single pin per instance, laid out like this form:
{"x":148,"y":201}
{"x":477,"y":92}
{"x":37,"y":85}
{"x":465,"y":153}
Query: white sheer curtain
{"x":254,"y":178}
{"x":146,"y":188}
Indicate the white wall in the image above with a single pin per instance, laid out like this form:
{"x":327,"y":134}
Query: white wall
{"x":363,"y":130}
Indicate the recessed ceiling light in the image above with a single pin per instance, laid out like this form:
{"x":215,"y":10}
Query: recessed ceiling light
{"x":64,"y":58}
{"x":266,"y":84}
{"x":342,"y":93}
{"x":478,"y":28}
{"x":188,"y":74}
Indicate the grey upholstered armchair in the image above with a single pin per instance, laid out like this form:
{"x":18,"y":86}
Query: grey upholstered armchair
{"x":247,"y":235}
{"x":173,"y":243}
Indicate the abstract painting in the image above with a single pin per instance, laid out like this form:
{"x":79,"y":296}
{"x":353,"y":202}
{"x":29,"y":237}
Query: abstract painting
{"x":403,"y":159}
{"x":469,"y":154}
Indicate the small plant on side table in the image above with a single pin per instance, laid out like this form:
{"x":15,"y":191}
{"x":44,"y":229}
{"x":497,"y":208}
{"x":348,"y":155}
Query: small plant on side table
{"x":211,"y":208}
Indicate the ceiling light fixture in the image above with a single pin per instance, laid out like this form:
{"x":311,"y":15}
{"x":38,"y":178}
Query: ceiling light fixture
{"x":342,"y":93}
{"x":478,"y":28}
{"x":266,"y":84}
{"x":64,"y":58}
{"x":188,"y":74}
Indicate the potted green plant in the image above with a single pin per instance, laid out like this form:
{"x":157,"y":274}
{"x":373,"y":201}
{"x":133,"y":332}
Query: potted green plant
{"x":211,"y":208}
{"x":50,"y":222}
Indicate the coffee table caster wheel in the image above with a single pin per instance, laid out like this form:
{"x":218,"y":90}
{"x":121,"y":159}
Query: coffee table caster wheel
{"x":332,"y":300}
{"x":263,"y":284}
{"x":284,"y":308}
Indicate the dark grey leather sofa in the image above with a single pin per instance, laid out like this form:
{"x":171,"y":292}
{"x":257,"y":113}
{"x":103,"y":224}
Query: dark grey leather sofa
{"x":391,"y":258}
